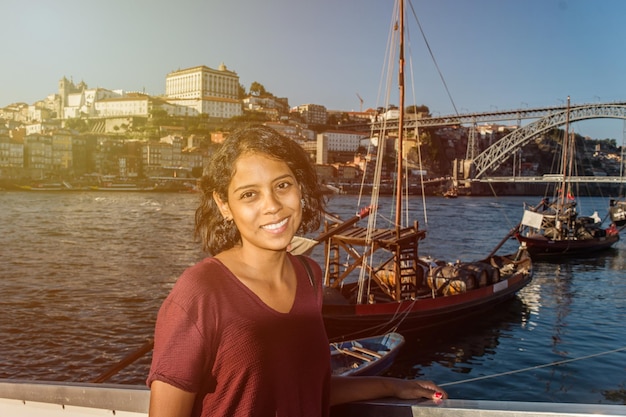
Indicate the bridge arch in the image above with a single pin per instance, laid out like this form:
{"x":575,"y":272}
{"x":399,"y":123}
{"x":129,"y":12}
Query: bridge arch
{"x":499,"y":152}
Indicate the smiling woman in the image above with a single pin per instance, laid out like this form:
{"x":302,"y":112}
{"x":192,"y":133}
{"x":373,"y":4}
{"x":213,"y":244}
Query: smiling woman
{"x":240,"y":329}
{"x":217,"y":184}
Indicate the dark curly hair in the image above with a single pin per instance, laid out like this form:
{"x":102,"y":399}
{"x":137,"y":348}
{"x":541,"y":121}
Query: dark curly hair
{"x":217,"y":234}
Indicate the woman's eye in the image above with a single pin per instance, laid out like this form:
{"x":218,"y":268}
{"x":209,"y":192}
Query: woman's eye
{"x":247,"y":194}
{"x":284,"y":185}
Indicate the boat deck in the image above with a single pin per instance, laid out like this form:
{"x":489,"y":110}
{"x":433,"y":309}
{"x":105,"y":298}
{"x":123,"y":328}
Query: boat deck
{"x":386,"y":238}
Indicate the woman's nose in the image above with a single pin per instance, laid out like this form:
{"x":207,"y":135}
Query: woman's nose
{"x":272,"y":202}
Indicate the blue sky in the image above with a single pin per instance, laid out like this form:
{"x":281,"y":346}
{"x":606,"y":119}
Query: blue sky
{"x":493,"y":54}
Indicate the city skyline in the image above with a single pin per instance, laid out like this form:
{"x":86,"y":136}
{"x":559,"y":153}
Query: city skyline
{"x":493,"y":55}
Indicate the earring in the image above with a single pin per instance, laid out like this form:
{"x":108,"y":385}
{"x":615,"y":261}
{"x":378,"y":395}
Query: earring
{"x":227,"y":221}
{"x":303,"y":202}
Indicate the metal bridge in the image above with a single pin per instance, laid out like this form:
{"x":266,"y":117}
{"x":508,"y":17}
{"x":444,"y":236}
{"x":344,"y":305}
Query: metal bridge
{"x":496,"y":154}
{"x":555,"y":179}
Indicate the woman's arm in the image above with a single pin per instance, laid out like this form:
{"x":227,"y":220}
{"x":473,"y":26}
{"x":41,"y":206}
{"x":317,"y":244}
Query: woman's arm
{"x":169,"y":401}
{"x":345,"y":389}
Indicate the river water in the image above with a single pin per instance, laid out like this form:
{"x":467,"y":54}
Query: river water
{"x":82,"y":275}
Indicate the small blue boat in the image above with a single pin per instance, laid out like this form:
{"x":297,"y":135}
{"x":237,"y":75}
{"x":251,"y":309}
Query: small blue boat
{"x":366,"y":356}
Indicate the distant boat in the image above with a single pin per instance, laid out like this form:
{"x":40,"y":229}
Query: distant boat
{"x":452,"y":192}
{"x":367,"y":356}
{"x":121,"y":187}
{"x":554,"y":227}
{"x":56,"y":186}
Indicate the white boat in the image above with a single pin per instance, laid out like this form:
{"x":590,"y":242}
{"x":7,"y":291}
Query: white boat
{"x":61,"y":399}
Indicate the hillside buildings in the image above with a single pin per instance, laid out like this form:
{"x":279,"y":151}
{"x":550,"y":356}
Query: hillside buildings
{"x":36,"y":141}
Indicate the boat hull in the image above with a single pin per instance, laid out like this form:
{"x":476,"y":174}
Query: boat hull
{"x":347,"y":321}
{"x":543,"y":247}
{"x":366,"y":356}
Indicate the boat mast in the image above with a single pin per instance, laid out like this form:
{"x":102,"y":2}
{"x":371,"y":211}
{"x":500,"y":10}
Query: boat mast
{"x":400,"y":118}
{"x":565,"y":157}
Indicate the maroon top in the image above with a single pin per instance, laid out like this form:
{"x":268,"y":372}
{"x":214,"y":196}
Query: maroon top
{"x":216,"y":338}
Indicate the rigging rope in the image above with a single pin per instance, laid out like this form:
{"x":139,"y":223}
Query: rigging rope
{"x":533,"y":367}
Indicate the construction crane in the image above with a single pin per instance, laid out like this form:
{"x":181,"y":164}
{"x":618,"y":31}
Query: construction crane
{"x":361,"y":100}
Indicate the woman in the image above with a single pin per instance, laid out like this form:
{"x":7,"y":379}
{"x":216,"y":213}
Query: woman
{"x":241,"y":333}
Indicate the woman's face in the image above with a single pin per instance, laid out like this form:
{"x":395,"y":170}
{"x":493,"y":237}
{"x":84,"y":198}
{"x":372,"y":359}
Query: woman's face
{"x":264,"y":202}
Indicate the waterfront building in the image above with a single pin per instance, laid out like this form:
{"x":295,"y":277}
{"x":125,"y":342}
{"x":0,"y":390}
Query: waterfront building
{"x":38,"y":153}
{"x":192,"y":159}
{"x":83,"y":149}
{"x":11,"y":154}
{"x":61,"y":150}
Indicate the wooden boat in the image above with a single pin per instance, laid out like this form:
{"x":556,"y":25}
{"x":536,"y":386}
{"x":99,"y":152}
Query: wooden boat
{"x":429,"y":294}
{"x":366,"y":356}
{"x":121,"y":187}
{"x":451,"y":192}
{"x":61,"y":399}
{"x":377,"y":282}
{"x":545,"y":236}
{"x":554,"y":228}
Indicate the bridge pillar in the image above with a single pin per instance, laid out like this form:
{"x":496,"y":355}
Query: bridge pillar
{"x":462,"y":172}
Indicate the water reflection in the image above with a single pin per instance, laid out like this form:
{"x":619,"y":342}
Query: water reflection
{"x":457,"y":346}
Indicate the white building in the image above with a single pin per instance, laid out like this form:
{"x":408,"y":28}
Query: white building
{"x":343,"y":141}
{"x":131,"y":105}
{"x":205,"y":90}
{"x":84,"y":102}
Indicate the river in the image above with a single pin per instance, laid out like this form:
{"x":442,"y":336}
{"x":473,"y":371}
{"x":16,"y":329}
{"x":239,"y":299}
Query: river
{"x":82,"y":275}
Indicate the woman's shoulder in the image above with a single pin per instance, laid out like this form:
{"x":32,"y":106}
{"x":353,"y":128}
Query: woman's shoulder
{"x":201,"y":273}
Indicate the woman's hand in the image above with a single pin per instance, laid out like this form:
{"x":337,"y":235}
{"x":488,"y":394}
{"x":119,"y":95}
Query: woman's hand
{"x":344,"y":389}
{"x":409,"y":389}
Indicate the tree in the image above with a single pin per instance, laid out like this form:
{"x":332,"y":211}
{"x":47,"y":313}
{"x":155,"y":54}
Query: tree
{"x":79,"y":125}
{"x":257,"y":89}
{"x":423,"y":109}
{"x":241,"y":91}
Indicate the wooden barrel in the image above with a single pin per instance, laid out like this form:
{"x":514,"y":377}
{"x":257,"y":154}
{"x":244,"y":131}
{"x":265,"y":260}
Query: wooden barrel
{"x":479,"y":271}
{"x":450,"y":279}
